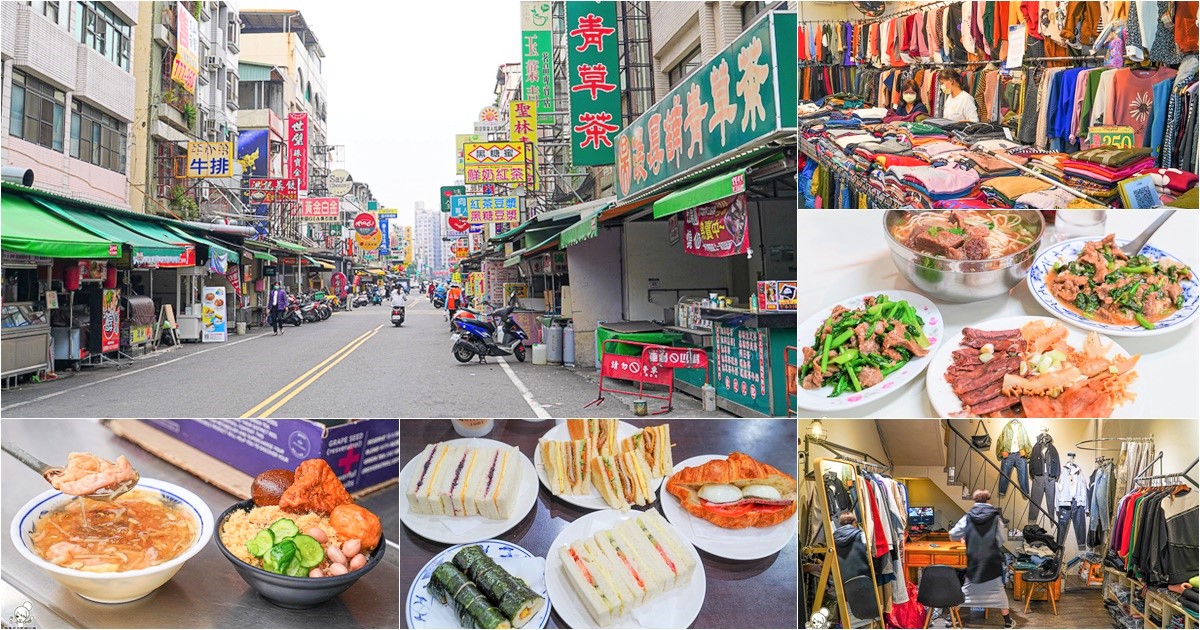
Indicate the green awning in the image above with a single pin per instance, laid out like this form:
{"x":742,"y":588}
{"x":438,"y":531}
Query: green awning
{"x":582,"y":230}
{"x":142,"y":246}
{"x":512,"y":261}
{"x":708,"y":191}
{"x":263,"y":256}
{"x":545,"y":219}
{"x":213,"y":248}
{"x":253,"y":71}
{"x":292,"y":246}
{"x":28,"y":229}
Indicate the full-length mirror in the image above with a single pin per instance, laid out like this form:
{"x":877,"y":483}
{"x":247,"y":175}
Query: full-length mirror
{"x":852,"y":563}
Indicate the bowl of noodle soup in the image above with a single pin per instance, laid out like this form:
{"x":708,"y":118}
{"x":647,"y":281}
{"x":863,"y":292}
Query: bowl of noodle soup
{"x":118,"y":551}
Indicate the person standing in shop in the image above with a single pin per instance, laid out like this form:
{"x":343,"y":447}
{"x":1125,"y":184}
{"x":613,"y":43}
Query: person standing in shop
{"x":959,"y":105}
{"x":277,"y":303}
{"x":985,"y":532}
{"x":1012,"y":449}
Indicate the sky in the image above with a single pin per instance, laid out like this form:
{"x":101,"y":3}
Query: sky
{"x":402,"y":79}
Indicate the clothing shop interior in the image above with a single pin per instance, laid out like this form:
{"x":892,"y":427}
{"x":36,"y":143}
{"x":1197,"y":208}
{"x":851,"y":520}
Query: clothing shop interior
{"x":983,"y":104}
{"x":998,"y":523}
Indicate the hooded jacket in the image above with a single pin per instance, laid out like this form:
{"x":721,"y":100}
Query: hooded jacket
{"x":983,"y":530}
{"x":1044,"y":459}
{"x":1070,"y":487}
{"x":851,"y":545}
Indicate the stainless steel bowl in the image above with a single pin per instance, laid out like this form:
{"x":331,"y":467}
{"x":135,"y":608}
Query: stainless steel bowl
{"x":963,"y":280}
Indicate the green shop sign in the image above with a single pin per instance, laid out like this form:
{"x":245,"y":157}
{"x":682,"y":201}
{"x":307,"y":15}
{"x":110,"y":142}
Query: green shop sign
{"x":537,"y":74}
{"x":594,"y":77}
{"x":736,"y":98}
{"x":447,"y":192}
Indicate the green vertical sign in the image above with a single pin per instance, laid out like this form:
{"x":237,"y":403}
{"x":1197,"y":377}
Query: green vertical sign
{"x":449,"y":191}
{"x":537,"y":75}
{"x":594,"y":79}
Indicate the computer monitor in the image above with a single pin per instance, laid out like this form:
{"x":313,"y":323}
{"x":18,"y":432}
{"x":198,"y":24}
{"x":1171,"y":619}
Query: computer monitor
{"x":920,"y":516}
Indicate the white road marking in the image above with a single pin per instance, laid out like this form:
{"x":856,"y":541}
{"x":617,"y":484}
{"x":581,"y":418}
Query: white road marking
{"x":538,"y":409}
{"x":130,"y":373}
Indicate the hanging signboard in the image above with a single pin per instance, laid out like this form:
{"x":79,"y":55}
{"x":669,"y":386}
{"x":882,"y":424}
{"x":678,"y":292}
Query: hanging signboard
{"x":461,"y":139}
{"x":110,"y":332}
{"x":593,"y":69}
{"x":490,"y":119}
{"x":212,"y":314}
{"x":476,"y":153}
{"x":320,"y":209}
{"x":498,"y":174}
{"x":731,"y":101}
{"x":210,"y":159}
{"x":296,"y":161}
{"x":449,"y":191}
{"x":339,"y":182}
{"x":484,"y":209}
{"x":522,"y":127}
{"x":537,"y":74}
{"x":717,"y":229}
{"x":458,"y":214}
{"x":187,"y":43}
{"x":273,"y":189}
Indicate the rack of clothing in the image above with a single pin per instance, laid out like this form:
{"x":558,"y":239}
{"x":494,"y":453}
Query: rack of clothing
{"x":1155,"y":530}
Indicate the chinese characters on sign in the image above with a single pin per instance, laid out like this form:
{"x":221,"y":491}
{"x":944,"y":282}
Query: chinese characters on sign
{"x":320,"y":209}
{"x":537,"y":76}
{"x":449,"y":191}
{"x":717,"y":229}
{"x":592,"y":67}
{"x":210,"y":159}
{"x":741,"y":364}
{"x":460,"y":140}
{"x":296,"y":160}
{"x":494,"y":153}
{"x":727,"y":103}
{"x":273,"y":189}
{"x":110,"y":333}
{"x":187,"y":38}
{"x":497,"y":163}
{"x":522,"y":127}
{"x":498,"y":174}
{"x":493,"y":209}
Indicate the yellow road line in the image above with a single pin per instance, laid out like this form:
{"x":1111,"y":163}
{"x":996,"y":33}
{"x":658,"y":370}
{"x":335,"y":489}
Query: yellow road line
{"x":344,"y":349}
{"x":282,"y":401}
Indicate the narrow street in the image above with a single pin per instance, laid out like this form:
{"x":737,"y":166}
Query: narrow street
{"x":354,"y":363}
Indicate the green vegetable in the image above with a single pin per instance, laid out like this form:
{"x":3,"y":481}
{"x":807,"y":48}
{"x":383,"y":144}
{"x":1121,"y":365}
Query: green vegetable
{"x":854,"y":380}
{"x":278,"y":558}
{"x":1140,"y":269}
{"x":261,"y":543}
{"x":846,"y":356}
{"x":284,"y":528}
{"x":825,"y":353}
{"x":1087,"y":302}
{"x":309,"y":552}
{"x":1143,"y":322}
{"x":295,"y":569}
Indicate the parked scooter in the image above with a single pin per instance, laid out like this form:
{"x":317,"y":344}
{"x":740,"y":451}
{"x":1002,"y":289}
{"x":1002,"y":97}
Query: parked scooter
{"x":376,"y":296}
{"x":308,"y":310}
{"x":497,"y":336}
{"x":360,"y":300}
{"x":292,"y":315}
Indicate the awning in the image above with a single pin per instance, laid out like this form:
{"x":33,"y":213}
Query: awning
{"x":570,"y":213}
{"x":263,"y":256}
{"x":213,"y":248}
{"x":286,"y":245}
{"x":142,"y":246}
{"x":708,"y":191}
{"x":580,"y":231}
{"x":549,"y":243}
{"x":28,"y":229}
{"x":317,"y":263}
{"x":377,"y":272}
{"x":623,"y":209}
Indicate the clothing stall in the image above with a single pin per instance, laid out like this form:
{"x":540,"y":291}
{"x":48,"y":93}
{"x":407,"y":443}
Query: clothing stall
{"x":1079,"y":104}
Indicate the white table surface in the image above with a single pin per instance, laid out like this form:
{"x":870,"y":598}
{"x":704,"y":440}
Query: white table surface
{"x":843,"y":253}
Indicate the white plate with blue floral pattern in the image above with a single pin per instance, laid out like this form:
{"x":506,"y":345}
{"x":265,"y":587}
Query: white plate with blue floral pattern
{"x":422,"y":610}
{"x":1068,"y":251}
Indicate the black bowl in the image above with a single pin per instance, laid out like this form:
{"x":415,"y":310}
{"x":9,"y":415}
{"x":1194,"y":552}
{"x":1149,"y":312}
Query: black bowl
{"x":292,"y":592}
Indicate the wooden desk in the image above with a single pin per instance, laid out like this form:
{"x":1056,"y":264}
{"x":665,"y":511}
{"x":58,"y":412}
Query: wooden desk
{"x":920,"y":554}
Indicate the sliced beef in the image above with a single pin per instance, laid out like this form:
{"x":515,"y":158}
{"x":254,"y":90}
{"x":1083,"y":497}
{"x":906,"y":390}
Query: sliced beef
{"x":991,"y":372}
{"x":994,"y":405}
{"x":976,"y":230}
{"x":869,"y":377}
{"x":975,"y":248}
{"x":988,"y":336}
{"x":814,"y":378}
{"x":923,"y":242}
{"x":985,"y":393}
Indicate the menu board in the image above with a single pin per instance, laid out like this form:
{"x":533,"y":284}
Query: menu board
{"x":110,"y":332}
{"x":212,"y":317}
{"x":741,"y":355}
{"x":495,"y":276}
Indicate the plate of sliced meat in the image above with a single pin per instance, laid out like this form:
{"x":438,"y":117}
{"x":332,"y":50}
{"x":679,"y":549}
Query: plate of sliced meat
{"x":1034,"y":367}
{"x":865,"y":347}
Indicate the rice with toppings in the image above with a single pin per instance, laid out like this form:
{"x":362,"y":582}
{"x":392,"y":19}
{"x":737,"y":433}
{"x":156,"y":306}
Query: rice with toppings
{"x":242,"y":526}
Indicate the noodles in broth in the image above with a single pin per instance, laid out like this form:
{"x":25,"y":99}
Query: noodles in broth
{"x":1006,"y":232}
{"x":138,"y":530}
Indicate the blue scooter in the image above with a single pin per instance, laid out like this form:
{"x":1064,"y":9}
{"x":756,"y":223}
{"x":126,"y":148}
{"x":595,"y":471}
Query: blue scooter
{"x":482,"y":338}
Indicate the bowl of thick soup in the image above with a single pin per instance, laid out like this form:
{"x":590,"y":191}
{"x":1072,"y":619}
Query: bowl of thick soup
{"x":113,"y":551}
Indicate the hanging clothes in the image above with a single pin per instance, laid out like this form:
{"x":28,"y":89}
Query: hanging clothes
{"x":1154,"y":537}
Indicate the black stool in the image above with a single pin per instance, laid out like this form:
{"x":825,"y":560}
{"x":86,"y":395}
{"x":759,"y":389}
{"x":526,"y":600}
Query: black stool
{"x":939,"y":588}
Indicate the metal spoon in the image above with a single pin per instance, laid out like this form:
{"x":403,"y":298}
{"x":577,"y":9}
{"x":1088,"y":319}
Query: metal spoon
{"x":1134,"y":247}
{"x":48,"y":472}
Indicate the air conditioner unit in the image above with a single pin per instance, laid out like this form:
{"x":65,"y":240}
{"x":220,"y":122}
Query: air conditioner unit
{"x":212,"y":126}
{"x":212,"y":62}
{"x":162,"y":36}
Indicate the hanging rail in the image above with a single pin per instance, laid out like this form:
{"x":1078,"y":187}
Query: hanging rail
{"x":1183,"y":474}
{"x":1080,"y":444}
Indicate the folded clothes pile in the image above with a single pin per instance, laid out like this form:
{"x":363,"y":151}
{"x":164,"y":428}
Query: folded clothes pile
{"x":853,"y":139}
{"x":1002,"y":192}
{"x":966,"y":203}
{"x":1189,"y":199}
{"x":1188,"y":599}
{"x":1045,"y":199}
{"x":1102,"y":174}
{"x":870,"y":150}
{"x":870,"y":115}
{"x":990,"y":166}
{"x":937,"y":183}
{"x":888,"y":161}
{"x":933,"y":150}
{"x":1172,"y":181}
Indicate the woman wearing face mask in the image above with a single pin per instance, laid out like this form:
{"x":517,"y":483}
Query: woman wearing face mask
{"x":959,"y":105}
{"x":910,"y":104}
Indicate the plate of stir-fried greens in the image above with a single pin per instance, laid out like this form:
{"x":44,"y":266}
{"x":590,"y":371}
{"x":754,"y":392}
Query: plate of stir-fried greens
{"x":865,"y":347}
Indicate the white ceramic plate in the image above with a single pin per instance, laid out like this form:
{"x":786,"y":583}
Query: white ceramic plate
{"x":676,"y":608}
{"x":454,"y":530}
{"x":591,"y":500}
{"x":946,"y":403}
{"x":1068,"y":251}
{"x":750,"y":543}
{"x":819,"y":400}
{"x":422,"y":610}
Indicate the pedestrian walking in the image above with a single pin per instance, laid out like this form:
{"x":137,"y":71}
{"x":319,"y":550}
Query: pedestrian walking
{"x":985,"y":533}
{"x":277,"y":303}
{"x":454,"y":298}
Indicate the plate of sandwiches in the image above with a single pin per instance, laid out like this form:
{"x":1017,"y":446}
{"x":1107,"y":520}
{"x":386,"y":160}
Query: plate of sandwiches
{"x":466,"y":490}
{"x":613,"y":569}
{"x":602,"y":463}
{"x":489,"y":584}
{"x":732,"y":506}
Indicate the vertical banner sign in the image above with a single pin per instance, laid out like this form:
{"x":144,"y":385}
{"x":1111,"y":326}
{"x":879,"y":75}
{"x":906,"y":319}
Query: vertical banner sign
{"x":717,"y":229}
{"x":385,"y":246}
{"x":522,"y":127}
{"x":212,"y":314}
{"x":449,"y":191}
{"x":537,"y":74}
{"x":210,"y":159}
{"x":187,"y":37}
{"x":297,"y":149}
{"x":408,"y":249}
{"x":459,"y":140}
{"x":593,"y":77}
{"x":110,"y":335}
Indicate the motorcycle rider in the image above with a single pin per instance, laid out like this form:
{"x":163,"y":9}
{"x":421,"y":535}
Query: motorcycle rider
{"x":277,"y":304}
{"x":398,"y":298}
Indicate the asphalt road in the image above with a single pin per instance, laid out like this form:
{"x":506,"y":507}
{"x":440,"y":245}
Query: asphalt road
{"x":356,"y":364}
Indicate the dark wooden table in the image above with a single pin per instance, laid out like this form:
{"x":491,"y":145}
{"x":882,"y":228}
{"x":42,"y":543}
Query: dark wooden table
{"x":740,"y":594}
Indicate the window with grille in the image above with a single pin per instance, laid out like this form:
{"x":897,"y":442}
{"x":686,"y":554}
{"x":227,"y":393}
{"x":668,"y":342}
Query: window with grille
{"x":677,"y":72}
{"x":101,"y":30}
{"x":168,"y":167}
{"x":97,"y":138}
{"x":37,"y":111}
{"x":752,"y":10}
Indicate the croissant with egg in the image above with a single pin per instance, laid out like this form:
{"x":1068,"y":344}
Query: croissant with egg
{"x":760,"y":509}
